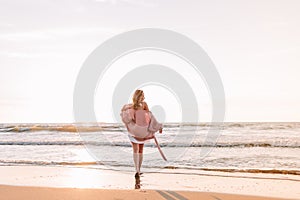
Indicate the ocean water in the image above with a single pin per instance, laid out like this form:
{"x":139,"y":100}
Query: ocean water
{"x":244,"y":147}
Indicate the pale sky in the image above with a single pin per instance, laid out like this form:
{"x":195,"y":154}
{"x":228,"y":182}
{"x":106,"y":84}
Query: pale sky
{"x":255,"y":46}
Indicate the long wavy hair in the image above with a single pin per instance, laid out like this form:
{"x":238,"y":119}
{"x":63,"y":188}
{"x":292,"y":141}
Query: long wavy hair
{"x":135,"y":99}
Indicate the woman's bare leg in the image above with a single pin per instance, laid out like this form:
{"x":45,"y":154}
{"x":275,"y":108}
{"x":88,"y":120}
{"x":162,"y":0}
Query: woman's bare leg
{"x":140,"y":153}
{"x":141,"y":148}
{"x":135,"y":148}
{"x":137,"y":155}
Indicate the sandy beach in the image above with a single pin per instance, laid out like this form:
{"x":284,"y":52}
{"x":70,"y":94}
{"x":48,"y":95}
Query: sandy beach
{"x":37,"y":182}
{"x":47,"y":193}
{"x":149,"y":99}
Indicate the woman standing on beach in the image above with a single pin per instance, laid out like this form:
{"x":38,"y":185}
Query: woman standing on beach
{"x":138,"y":145}
{"x":141,"y":116}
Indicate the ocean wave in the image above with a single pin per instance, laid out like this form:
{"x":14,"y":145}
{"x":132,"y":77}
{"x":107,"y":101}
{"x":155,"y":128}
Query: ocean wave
{"x":265,"y":171}
{"x":263,"y":125}
{"x":41,"y":163}
{"x":117,"y":127}
{"x":33,"y":143}
{"x":7,"y":129}
{"x":199,"y":169}
{"x":234,"y":145}
{"x":58,"y":128}
{"x":162,"y":144}
{"x":231,"y":170}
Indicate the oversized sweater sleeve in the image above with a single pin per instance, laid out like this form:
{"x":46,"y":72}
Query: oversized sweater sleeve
{"x":154,"y":125}
{"x":127,"y":113}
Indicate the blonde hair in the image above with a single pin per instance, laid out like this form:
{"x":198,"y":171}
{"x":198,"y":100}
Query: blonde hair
{"x":135,"y":99}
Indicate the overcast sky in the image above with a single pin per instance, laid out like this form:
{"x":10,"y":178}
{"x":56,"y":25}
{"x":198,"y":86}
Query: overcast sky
{"x":255,"y":46}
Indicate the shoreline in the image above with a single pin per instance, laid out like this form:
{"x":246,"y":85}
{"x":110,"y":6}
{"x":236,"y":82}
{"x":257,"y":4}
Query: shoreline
{"x":55,"y":177}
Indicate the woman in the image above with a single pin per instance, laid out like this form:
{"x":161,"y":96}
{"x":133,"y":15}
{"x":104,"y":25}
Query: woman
{"x":141,"y":125}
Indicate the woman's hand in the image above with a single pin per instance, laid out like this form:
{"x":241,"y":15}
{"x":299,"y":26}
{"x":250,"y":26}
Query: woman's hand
{"x":145,"y":106}
{"x":160,"y":130}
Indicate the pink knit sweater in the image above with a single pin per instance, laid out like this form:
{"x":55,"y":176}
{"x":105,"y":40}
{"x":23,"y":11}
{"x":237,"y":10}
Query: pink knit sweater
{"x":139,"y":123}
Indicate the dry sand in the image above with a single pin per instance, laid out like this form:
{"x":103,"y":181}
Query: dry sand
{"x":54,"y":182}
{"x":47,"y":193}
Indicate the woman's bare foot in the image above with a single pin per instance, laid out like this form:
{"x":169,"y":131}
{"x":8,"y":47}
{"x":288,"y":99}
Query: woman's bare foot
{"x":137,"y":181}
{"x":137,"y":175}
